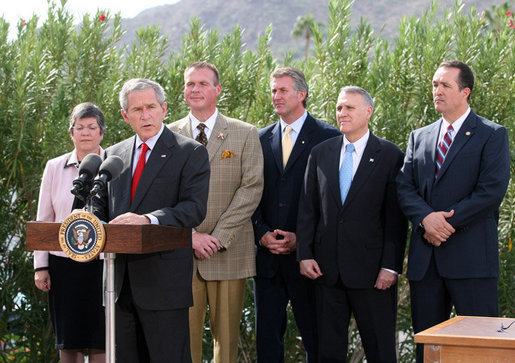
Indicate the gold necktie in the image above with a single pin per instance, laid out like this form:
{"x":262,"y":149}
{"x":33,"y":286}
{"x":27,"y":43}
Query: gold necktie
{"x":287,"y":145}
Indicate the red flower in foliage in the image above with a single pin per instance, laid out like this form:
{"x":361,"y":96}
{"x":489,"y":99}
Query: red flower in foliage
{"x":102,"y":17}
{"x":510,"y":24}
{"x":23,"y":22}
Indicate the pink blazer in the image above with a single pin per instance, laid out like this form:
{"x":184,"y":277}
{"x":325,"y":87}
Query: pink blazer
{"x":55,"y":200}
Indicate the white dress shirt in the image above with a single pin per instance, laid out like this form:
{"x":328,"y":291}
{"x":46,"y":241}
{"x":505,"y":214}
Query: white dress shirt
{"x":296,"y":126}
{"x":359,"y":148}
{"x":456,"y":125}
{"x":151,"y":143}
{"x":210,"y":125}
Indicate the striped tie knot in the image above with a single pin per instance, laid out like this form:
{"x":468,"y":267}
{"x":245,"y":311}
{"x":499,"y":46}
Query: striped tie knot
{"x":443,"y":147}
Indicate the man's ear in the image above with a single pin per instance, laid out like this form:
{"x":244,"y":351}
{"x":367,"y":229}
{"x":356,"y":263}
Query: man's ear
{"x":124,"y":115}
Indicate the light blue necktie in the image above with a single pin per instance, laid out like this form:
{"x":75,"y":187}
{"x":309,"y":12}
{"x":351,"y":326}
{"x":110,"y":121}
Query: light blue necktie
{"x":346,"y":172}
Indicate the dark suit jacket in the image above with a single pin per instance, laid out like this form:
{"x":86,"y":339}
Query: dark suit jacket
{"x":472,"y":181}
{"x":279,"y":203}
{"x":174,"y":188}
{"x":368,"y":232}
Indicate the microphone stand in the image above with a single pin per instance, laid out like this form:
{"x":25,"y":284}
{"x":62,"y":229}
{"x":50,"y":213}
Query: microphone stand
{"x":109,"y":293}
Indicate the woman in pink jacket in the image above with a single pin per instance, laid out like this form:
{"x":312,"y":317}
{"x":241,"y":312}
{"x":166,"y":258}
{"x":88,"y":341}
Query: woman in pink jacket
{"x":74,"y":288}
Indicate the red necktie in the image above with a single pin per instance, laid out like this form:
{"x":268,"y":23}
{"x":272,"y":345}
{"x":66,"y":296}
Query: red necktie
{"x":442,"y":148}
{"x":139,"y":170}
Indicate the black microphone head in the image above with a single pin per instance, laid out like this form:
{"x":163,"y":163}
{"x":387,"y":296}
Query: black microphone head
{"x":111,"y":167}
{"x":90,"y":165}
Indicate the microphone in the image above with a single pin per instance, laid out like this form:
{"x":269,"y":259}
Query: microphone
{"x":109,"y":170}
{"x":87,"y":170}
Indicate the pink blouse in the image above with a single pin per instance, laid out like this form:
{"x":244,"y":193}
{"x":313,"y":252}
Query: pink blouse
{"x":55,"y":200}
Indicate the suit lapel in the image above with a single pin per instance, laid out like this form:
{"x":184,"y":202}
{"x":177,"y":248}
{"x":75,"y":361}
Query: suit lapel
{"x":275,"y":144}
{"x":185,"y":127}
{"x":462,"y":137}
{"x":430,"y":142}
{"x":121,"y":196}
{"x":333,"y":171}
{"x":218,"y":134}
{"x":302,"y":142}
{"x":158,"y":158}
{"x":371,"y":156}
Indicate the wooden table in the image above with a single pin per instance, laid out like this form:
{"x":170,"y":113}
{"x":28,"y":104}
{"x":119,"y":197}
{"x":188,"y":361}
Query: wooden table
{"x":469,"y":339}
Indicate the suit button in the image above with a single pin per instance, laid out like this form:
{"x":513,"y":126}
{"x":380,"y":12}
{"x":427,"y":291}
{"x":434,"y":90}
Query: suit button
{"x":281,"y":205}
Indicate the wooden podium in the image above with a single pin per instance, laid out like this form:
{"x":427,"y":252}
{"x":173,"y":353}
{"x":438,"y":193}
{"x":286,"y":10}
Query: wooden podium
{"x":469,"y":339}
{"x":120,"y":238}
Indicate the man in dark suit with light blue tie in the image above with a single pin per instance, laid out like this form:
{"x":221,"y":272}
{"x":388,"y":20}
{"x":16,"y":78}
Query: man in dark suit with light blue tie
{"x":286,"y":147}
{"x":454,"y":178}
{"x":153,"y":290}
{"x":351,"y":233}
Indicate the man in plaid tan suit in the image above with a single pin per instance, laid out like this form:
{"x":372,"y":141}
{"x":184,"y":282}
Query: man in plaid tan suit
{"x":224,"y":243}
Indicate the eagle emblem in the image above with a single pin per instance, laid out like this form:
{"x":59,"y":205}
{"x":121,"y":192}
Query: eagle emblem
{"x":81,"y":238}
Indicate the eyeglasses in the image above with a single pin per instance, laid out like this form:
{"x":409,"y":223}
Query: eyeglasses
{"x":80,"y":128}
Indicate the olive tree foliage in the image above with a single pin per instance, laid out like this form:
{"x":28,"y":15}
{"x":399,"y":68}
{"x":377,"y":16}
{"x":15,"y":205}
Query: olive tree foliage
{"x":46,"y":70}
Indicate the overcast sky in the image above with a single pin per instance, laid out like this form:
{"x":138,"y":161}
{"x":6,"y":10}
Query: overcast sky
{"x":14,"y":10}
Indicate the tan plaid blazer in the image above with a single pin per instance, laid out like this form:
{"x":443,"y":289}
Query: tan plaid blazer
{"x":235,"y":189}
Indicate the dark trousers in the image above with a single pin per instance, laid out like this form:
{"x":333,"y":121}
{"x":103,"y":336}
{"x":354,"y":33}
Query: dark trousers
{"x":433,"y":297}
{"x":150,"y":335}
{"x":271,"y":299}
{"x":375,"y":312}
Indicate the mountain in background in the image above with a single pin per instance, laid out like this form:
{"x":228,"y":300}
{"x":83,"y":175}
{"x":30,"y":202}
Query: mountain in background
{"x":255,"y":15}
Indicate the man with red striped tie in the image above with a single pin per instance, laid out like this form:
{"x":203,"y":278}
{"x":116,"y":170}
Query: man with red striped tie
{"x":454,"y":178}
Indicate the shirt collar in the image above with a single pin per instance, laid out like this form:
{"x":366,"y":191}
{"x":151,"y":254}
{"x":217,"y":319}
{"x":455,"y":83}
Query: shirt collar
{"x":295,"y":125}
{"x":210,"y":122}
{"x":359,"y":145}
{"x":73,"y":160}
{"x":151,"y":142}
{"x":456,"y":125}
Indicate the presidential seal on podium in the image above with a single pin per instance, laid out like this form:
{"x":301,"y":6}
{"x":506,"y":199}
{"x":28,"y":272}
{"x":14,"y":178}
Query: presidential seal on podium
{"x":82,"y":236}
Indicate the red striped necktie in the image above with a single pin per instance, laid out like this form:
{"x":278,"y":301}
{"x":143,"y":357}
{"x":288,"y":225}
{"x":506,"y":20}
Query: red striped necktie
{"x":442,"y":148}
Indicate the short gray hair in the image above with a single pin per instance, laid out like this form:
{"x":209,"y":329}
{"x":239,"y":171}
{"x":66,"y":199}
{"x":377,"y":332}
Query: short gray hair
{"x":140,"y":84}
{"x":85,"y":110}
{"x":355,"y":89}
{"x":299,"y":80}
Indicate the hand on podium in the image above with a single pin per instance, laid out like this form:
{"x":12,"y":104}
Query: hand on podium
{"x":130,"y":218}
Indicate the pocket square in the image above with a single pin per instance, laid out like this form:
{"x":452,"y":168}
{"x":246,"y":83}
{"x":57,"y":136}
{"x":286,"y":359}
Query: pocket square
{"x":227,"y":154}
